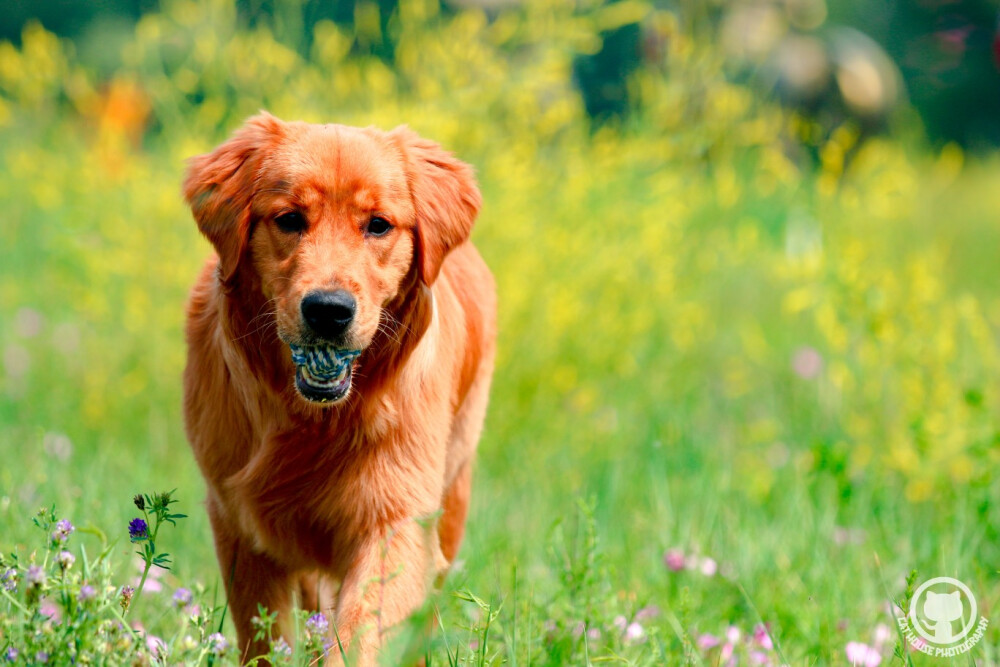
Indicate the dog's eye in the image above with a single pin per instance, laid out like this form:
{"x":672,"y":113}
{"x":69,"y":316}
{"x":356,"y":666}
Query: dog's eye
{"x":291,"y":222}
{"x":378,"y":227}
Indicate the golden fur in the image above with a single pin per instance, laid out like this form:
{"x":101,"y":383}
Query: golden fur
{"x":320,"y":500}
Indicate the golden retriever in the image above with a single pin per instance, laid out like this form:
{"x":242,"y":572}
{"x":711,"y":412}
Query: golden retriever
{"x":340,"y":351}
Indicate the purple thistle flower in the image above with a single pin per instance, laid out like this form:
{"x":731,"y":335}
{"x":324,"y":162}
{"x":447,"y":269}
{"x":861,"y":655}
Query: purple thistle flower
{"x":86,"y":594}
{"x":182,"y":597}
{"x":35,"y":576}
{"x":318,"y":624}
{"x":138,"y":531}
{"x":217,"y":643}
{"x":9,"y":580}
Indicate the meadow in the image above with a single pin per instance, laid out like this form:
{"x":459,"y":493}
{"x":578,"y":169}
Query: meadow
{"x":740,"y":395}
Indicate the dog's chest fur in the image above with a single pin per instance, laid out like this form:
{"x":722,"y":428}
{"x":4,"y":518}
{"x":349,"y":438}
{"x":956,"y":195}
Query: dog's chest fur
{"x":312,"y":493}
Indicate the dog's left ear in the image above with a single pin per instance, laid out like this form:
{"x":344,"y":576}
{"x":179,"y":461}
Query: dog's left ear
{"x":445,"y":195}
{"x":220,"y":185}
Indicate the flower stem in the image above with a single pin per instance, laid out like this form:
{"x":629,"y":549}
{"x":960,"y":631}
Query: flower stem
{"x":142,"y":582}
{"x":13,"y":601}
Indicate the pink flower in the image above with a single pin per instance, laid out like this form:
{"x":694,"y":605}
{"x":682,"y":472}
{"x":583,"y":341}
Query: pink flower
{"x":49,"y":608}
{"x":674,"y":560}
{"x":156,"y":646}
{"x":650,"y":611}
{"x":733,"y":634}
{"x":807,"y":363}
{"x":708,"y":567}
{"x":634,"y":633}
{"x":759,"y":658}
{"x":862,"y":655}
{"x":706,"y":641}
{"x":762,"y":637}
{"x":882,"y":635}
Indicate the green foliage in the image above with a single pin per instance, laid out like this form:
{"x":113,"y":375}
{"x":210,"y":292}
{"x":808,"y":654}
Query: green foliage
{"x":773,"y":369}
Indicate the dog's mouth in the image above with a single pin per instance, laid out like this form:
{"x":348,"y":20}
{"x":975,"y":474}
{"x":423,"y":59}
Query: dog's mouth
{"x":323,"y":372}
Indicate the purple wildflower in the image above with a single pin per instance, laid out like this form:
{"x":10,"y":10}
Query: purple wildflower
{"x":62,"y":531}
{"x":11,"y":654}
{"x":41,"y":657}
{"x":35,"y":576}
{"x":138,"y":531}
{"x":9,"y":580}
{"x":65,"y":560}
{"x":125,"y":598}
{"x":86,"y":593}
{"x":217,"y":643}
{"x":281,"y":647}
{"x":317,"y":624}
{"x":182,"y":597}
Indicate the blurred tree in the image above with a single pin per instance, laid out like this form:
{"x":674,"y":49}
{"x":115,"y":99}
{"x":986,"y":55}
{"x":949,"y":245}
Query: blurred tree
{"x":947,"y":51}
{"x":603,"y":77}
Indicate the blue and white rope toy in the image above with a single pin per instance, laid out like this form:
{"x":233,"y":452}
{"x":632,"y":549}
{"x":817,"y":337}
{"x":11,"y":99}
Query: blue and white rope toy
{"x":323,"y":363}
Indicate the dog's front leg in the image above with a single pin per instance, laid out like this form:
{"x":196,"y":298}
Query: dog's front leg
{"x":251,"y":578}
{"x":388,"y":580}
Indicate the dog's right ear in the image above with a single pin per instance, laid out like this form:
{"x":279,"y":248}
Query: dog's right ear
{"x":220,"y":184}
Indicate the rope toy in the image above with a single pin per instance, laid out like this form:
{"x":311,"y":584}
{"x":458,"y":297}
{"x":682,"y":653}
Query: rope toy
{"x":323,"y":362}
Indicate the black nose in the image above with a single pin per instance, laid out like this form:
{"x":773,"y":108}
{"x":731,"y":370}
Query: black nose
{"x":328,"y":313}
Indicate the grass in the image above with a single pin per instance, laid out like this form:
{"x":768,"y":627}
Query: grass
{"x":663,"y":290}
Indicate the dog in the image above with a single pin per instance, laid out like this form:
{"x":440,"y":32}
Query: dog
{"x":340,"y":351}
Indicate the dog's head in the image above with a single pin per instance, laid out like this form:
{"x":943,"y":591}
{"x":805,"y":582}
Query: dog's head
{"x":332,"y":225}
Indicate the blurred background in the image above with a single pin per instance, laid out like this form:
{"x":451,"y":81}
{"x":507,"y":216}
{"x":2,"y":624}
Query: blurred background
{"x":747,"y":256}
